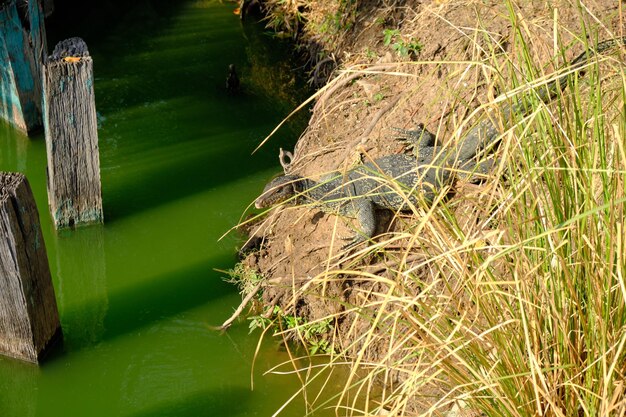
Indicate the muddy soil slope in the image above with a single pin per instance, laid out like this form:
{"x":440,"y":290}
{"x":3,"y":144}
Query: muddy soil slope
{"x":403,"y":63}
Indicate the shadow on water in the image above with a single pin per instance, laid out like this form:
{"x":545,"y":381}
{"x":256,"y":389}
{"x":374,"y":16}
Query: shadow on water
{"x":177,"y":177}
{"x":147,"y":302}
{"x":163,"y":297}
{"x":95,"y":19}
{"x":81,"y":275}
{"x":231,"y":402}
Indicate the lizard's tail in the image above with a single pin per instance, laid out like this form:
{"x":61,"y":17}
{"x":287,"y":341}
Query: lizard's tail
{"x":486,"y":133}
{"x":550,"y":90}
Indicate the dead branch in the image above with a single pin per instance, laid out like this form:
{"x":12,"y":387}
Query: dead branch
{"x":368,"y":129}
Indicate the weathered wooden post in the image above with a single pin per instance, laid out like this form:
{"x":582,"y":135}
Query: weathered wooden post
{"x":29,"y":320}
{"x":22,"y":46}
{"x":74,"y":190}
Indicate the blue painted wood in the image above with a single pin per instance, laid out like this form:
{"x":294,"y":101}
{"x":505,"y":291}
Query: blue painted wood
{"x":22,"y":48}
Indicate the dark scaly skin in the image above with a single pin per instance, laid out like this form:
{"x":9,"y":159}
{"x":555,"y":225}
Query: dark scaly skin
{"x":360,"y":190}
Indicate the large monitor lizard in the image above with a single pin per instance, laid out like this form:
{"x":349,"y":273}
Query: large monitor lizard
{"x":396,"y":182}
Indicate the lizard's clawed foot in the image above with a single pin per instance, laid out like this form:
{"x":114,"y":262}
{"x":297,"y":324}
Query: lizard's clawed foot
{"x":354,"y":241}
{"x":415,"y":139}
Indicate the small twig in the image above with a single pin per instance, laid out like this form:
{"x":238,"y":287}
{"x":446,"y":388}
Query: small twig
{"x":377,"y":117}
{"x":382,"y":266}
{"x":239,"y":310}
{"x":361,"y":139}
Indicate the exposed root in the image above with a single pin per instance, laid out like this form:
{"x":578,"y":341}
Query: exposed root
{"x":239,"y":309}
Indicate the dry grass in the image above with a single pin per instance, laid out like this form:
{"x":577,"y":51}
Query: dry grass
{"x":511,"y":300}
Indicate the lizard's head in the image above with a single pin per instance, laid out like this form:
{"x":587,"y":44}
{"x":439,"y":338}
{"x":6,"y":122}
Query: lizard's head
{"x":278,"y":190}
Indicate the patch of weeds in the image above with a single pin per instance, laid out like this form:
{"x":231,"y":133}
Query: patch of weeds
{"x":260,"y":321}
{"x":371,"y":54}
{"x":347,"y":11}
{"x":404,"y":48}
{"x":244,"y":277}
{"x":375,"y":99}
{"x":284,"y":18}
{"x":313,"y":334}
{"x":341,"y":20}
{"x":389,"y":35}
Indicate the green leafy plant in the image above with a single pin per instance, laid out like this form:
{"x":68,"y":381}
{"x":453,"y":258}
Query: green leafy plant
{"x":312,"y":334}
{"x":389,"y":35}
{"x":393,"y":38}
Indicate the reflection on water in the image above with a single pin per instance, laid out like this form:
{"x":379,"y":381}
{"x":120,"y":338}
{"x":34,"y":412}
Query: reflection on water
{"x":20,"y":379}
{"x":82,"y":293}
{"x":16,"y":153}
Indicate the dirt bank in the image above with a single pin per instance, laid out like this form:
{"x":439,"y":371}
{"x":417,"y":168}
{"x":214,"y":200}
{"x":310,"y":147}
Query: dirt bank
{"x":401,"y":63}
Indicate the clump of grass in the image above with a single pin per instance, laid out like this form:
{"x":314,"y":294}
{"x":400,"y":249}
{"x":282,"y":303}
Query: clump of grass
{"x":516,"y":307}
{"x":313,"y":335}
{"x":322,"y":18}
{"x":244,"y":277}
{"x":285,"y":16}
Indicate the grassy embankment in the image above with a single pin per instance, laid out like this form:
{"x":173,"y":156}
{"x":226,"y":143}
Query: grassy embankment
{"x":518,"y":307}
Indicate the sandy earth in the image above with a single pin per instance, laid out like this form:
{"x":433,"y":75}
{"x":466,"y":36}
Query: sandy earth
{"x":352,"y":118}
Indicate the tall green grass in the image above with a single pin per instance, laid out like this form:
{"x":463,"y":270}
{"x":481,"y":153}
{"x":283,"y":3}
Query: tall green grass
{"x":509,"y":298}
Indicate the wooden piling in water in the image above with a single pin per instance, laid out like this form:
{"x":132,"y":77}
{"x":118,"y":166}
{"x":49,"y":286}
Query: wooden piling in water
{"x":74,"y":189}
{"x":22,"y":46}
{"x":29,"y":319}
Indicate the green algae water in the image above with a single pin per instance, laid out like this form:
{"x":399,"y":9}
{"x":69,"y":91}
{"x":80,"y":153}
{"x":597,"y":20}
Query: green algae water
{"x":138,"y":295}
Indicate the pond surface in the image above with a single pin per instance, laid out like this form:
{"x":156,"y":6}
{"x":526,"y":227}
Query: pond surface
{"x":137,"y":295}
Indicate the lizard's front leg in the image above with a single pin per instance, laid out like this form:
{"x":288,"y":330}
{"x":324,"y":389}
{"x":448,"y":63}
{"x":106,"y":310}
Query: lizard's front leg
{"x":365,"y":214}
